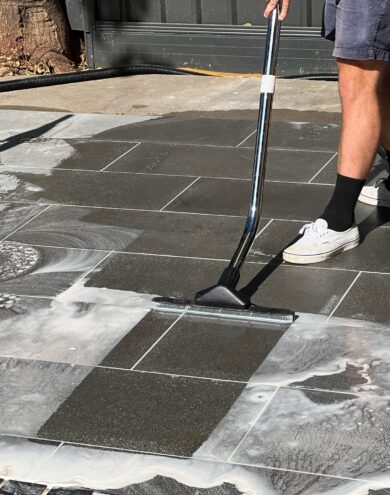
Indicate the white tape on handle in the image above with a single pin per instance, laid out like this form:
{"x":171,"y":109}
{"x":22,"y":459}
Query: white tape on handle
{"x":268,"y":84}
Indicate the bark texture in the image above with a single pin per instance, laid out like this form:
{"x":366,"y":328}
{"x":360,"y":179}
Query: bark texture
{"x":35,"y":31}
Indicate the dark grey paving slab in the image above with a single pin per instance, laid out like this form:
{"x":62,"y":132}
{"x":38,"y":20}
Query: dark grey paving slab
{"x":136,"y":231}
{"x":219,"y":162}
{"x":281,"y":200}
{"x":91,"y":188}
{"x":42,"y":271}
{"x":273,"y":286}
{"x":302,"y":135}
{"x":14,"y":215}
{"x":93,"y":155}
{"x":368,"y":299}
{"x":320,"y":432}
{"x":139,"y":340}
{"x":334,"y":356}
{"x":167,"y":486}
{"x":20,"y":488}
{"x":329,"y":173}
{"x":70,"y":491}
{"x":198,"y":130}
{"x":212,"y":348}
{"x":141,"y":411}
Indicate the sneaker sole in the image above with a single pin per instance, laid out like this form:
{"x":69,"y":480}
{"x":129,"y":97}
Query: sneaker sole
{"x":308,"y":259}
{"x":373,"y":202}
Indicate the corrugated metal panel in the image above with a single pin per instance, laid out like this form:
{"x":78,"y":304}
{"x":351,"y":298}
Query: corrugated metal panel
{"x":224,"y":12}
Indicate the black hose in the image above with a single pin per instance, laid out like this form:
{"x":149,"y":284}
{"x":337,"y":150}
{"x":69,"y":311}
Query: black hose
{"x":93,"y":75}
{"x":89,"y":75}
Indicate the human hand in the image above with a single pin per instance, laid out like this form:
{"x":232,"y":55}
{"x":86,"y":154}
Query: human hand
{"x":273,"y":4}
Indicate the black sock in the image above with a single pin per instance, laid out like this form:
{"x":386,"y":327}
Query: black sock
{"x":387,"y":181}
{"x":340,"y":212}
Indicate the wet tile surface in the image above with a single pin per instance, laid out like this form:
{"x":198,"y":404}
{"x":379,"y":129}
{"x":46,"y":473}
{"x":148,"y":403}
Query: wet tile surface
{"x":317,"y":396}
{"x":188,"y":350}
{"x":92,"y":189}
{"x":302,"y":135}
{"x":323,"y":432}
{"x":219,"y":162}
{"x":18,"y":488}
{"x":281,"y":200}
{"x":200,"y":131}
{"x":367,"y":299}
{"x":272,"y":286}
{"x":175,"y":416}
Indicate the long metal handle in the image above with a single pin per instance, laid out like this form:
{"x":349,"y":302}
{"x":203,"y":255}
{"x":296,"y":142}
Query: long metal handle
{"x":232,"y":273}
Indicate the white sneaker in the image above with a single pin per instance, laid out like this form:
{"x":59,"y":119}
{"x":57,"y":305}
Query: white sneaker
{"x":318,"y":243}
{"x":376,"y":194}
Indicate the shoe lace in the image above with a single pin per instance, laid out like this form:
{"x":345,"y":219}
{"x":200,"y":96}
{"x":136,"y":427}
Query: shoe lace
{"x":315,"y":230}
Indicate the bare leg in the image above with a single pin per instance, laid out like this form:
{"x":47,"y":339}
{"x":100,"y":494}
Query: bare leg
{"x":360,"y":88}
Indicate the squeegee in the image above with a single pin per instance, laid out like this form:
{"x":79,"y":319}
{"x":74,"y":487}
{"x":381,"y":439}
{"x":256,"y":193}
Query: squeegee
{"x":223,"y":300}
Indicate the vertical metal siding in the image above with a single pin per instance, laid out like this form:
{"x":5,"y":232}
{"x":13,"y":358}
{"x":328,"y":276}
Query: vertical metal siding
{"x":224,"y":12}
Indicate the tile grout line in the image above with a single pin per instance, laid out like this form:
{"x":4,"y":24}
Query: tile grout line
{"x":248,"y":137}
{"x":26,"y":223}
{"x":253,"y":424}
{"x":343,"y":297}
{"x":85,"y":275}
{"x":263,"y":229}
{"x":2,"y":483}
{"x":322,"y":168}
{"x":178,"y":195}
{"x":222,"y":260}
{"x":55,"y":450}
{"x":119,"y":157}
{"x":157,"y":341}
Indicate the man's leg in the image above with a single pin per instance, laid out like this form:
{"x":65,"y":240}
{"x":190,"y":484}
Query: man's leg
{"x":384,"y":103}
{"x":359,"y":83}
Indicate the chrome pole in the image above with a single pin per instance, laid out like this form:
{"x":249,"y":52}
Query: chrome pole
{"x":231,"y":275}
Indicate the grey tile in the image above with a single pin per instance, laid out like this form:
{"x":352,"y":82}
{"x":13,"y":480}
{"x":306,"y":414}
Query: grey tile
{"x":42,"y":271}
{"x":231,"y":197}
{"x":219,"y":162}
{"x":165,"y":276}
{"x":320,"y":432}
{"x":14,"y":215}
{"x":302,"y":135}
{"x":71,"y":332}
{"x":31,"y":391}
{"x":368,"y":299}
{"x":70,"y":491}
{"x":90,"y":188}
{"x":19,"y":488}
{"x":212,"y":348}
{"x":328,"y":175}
{"x":334,"y":356}
{"x":296,"y":288}
{"x":141,"y":411}
{"x":17,"y":125}
{"x":272,"y":286}
{"x":136,"y":231}
{"x":197,"y":130}
{"x":135,"y":344}
{"x":93,"y":155}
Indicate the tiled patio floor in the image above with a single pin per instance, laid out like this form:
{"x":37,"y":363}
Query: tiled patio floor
{"x":98,"y":210}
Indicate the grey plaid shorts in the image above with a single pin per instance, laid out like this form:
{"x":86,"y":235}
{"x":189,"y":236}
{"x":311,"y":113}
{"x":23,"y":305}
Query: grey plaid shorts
{"x":359,"y":28}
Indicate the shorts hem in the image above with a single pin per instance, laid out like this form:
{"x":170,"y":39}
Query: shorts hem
{"x":369,"y":54}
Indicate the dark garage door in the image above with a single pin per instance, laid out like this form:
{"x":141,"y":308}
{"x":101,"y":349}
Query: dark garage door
{"x":217,"y":35}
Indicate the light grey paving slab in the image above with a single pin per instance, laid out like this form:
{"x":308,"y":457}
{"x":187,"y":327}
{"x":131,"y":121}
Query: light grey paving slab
{"x":321,"y":432}
{"x":30,"y":124}
{"x":31,"y":391}
{"x":331,"y":356}
{"x":65,"y":331}
{"x":88,"y":125}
